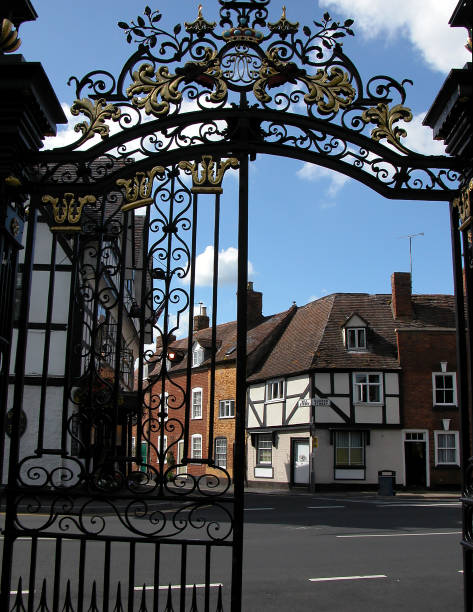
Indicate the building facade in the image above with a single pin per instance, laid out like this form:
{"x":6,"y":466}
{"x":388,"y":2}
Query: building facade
{"x":358,"y":384}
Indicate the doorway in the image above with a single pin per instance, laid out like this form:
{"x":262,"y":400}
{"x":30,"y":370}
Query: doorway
{"x":300,"y":461}
{"x":181,"y":469}
{"x":415,"y":456}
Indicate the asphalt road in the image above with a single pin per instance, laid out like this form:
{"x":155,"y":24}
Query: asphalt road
{"x":341,"y":553}
{"x":308,"y":553}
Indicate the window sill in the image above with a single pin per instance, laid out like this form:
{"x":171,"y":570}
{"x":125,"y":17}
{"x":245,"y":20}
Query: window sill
{"x":447,"y":466}
{"x":194,"y":418}
{"x":274,"y":401}
{"x":371,"y":404}
{"x":439,"y":407}
{"x":224,"y":417}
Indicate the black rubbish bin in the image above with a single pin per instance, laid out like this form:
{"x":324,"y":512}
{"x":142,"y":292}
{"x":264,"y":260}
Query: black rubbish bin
{"x":386,"y":482}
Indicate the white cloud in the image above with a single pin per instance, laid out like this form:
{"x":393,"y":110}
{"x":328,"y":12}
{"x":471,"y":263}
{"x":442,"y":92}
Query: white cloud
{"x":420,"y":138}
{"x":423,"y":22}
{"x":311,"y":172}
{"x":65,"y":134}
{"x":227,"y":267}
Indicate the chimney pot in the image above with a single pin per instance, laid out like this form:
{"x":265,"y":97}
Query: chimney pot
{"x":402,"y":295}
{"x":201,"y":320}
{"x":254,"y":305}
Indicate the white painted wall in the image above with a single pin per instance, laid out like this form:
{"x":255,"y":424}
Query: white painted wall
{"x":29,"y":440}
{"x":322,"y":382}
{"x":341,"y":382}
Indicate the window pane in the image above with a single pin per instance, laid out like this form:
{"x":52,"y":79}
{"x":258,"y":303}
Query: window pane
{"x":342,"y":456}
{"x":448,"y":396}
{"x":343,"y":438}
{"x":221,"y":452}
{"x":373,"y":393}
{"x":356,"y":456}
{"x":196,"y":447}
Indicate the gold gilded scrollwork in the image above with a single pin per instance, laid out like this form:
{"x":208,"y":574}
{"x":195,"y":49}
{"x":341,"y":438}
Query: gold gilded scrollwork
{"x":463,"y":204}
{"x":160,"y":88}
{"x":9,"y":41}
{"x":283,"y":27}
{"x":138,"y":189}
{"x":385,"y":118}
{"x":330,"y":91}
{"x":97,"y":112}
{"x":206,"y":176}
{"x":67,"y":212}
{"x":200,"y":26}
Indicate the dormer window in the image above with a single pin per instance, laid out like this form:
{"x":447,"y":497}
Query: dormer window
{"x":354,"y":333}
{"x":356,"y":338}
{"x":197,"y":355}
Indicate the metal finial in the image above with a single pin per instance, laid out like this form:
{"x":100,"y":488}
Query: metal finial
{"x":199,"y":15}
{"x":283,"y":12}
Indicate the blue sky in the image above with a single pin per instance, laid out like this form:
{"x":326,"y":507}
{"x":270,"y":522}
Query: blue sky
{"x":312,"y":232}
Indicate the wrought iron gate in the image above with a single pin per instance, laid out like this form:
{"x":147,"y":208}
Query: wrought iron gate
{"x":96,"y":449}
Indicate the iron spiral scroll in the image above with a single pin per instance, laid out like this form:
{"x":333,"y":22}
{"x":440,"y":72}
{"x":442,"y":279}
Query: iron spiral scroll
{"x":204,"y":85}
{"x":122,"y":206}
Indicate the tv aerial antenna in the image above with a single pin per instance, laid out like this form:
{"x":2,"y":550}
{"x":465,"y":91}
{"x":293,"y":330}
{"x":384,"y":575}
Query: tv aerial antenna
{"x":411,"y":236}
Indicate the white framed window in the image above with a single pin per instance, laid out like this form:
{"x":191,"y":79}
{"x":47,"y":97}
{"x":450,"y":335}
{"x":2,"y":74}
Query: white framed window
{"x":355,"y":338}
{"x":226,"y":409}
{"x":196,"y":411}
{"x":368,"y":387}
{"x":264,"y":449}
{"x":349,"y":449}
{"x":444,"y":388}
{"x":196,"y":446}
{"x":447,"y":448}
{"x":221,"y":452}
{"x":197,"y":355}
{"x":275,"y":389}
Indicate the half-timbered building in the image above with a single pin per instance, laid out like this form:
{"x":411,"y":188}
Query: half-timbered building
{"x":338,"y":399}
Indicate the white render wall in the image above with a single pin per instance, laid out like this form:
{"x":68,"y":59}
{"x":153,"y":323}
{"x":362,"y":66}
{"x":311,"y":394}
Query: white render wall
{"x":281,"y":459}
{"x":383,"y":453}
{"x":52,"y":433}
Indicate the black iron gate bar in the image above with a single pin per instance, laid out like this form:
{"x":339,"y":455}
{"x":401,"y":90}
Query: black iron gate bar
{"x":243,"y":82}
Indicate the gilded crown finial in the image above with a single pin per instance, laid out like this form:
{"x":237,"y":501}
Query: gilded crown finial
{"x":138,"y":190}
{"x":207,"y":174}
{"x":67,"y":211}
{"x":199,"y":14}
{"x":283,"y":12}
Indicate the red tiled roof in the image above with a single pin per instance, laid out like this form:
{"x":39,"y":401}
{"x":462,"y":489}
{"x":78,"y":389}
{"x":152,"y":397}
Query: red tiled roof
{"x":313,"y":338}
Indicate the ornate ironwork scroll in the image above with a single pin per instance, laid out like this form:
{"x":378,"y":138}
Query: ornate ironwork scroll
{"x":108,"y":459}
{"x":250,"y":68}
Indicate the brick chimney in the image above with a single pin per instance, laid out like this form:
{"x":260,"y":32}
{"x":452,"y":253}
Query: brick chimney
{"x":201,"y":320}
{"x":254,"y":305}
{"x":402,"y":294}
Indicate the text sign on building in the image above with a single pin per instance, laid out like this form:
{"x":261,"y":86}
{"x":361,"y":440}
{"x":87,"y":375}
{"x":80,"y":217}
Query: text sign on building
{"x":316,"y":401}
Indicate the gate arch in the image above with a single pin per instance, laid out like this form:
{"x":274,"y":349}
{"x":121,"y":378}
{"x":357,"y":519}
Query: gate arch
{"x":197,"y":101}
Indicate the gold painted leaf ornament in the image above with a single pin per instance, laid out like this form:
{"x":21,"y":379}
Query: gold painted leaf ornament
{"x":98,"y":112}
{"x":154,"y":90}
{"x":330,"y":91}
{"x":385,"y":118}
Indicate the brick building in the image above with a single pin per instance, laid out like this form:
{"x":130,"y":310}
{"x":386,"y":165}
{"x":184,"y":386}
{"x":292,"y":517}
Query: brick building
{"x":356,"y":384}
{"x":205,"y":391}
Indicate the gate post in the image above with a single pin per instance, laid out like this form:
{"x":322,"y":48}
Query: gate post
{"x":29,"y":111}
{"x":451,"y":121}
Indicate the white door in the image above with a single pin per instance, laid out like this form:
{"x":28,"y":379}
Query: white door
{"x":301,"y":455}
{"x":180,"y":454}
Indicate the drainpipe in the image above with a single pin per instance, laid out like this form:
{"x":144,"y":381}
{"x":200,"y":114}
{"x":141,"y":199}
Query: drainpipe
{"x":312,"y":434}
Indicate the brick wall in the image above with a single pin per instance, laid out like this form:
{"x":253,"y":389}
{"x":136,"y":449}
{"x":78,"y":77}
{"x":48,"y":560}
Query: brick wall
{"x":420,"y":354}
{"x":225,"y":389}
{"x":176,"y":388}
